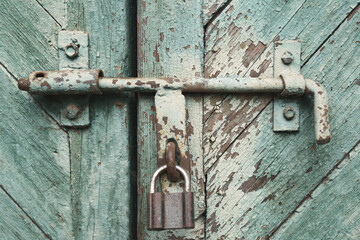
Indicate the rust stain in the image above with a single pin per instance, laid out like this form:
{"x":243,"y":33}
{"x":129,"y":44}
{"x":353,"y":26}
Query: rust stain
{"x":309,"y":170}
{"x":353,"y":12}
{"x":45,"y":84}
{"x":119,"y":105}
{"x":59,"y":79}
{"x":156,"y":54}
{"x":161,"y":36}
{"x":187,"y":47}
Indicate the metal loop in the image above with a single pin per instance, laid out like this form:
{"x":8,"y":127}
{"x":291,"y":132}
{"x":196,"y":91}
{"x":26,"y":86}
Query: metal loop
{"x":170,"y":158}
{"x":161,"y":169}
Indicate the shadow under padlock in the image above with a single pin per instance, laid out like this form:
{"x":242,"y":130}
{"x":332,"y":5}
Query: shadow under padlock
{"x":170,"y":210}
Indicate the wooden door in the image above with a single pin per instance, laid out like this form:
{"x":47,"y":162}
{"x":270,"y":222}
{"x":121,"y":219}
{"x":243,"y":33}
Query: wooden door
{"x":56,"y":182}
{"x":249,"y":182}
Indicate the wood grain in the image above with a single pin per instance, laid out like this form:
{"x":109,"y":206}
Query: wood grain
{"x":170,"y":37}
{"x":332,"y":210}
{"x":35,"y":169}
{"x":264,"y":175}
{"x":102,"y":156}
{"x":34,"y":164}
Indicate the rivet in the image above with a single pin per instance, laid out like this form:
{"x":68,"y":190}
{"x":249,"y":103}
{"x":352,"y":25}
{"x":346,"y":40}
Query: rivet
{"x":289,"y":113}
{"x":287,"y":58}
{"x":72,"y":112}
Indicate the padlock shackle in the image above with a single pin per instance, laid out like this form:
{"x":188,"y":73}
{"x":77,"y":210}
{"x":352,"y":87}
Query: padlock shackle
{"x":162,"y":169}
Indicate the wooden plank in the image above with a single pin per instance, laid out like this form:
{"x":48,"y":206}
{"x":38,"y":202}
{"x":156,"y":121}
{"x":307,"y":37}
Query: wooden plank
{"x":263,"y":175}
{"x":250,"y":53}
{"x":211,"y":8}
{"x":332,"y":211}
{"x":56,"y":9}
{"x":27,"y":45}
{"x":34,"y":161}
{"x":14,"y":224}
{"x":169,"y":47}
{"x":102,"y":156}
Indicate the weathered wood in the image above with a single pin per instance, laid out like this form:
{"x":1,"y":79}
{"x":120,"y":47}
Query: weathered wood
{"x":102,"y":156}
{"x":263,"y":175}
{"x":248,"y":50}
{"x":332,"y":210}
{"x":35,"y":168}
{"x":14,"y":223}
{"x":170,"y":37}
{"x":34,"y":163}
{"x":211,"y":8}
{"x":56,"y":9}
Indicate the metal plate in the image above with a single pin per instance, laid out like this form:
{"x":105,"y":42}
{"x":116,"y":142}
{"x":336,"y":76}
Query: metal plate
{"x":283,"y":104}
{"x":74,"y":54}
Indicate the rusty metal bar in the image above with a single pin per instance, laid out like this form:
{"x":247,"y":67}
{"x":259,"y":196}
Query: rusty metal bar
{"x":321,"y":111}
{"x":92,"y":82}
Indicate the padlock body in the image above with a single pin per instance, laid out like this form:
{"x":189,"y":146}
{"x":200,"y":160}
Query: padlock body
{"x":170,"y":210}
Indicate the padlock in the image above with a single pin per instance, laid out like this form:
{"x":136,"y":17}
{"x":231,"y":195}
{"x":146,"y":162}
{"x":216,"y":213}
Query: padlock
{"x":170,"y":210}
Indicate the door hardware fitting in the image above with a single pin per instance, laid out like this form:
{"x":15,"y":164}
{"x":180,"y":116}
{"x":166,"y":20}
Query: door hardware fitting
{"x":287,"y":83}
{"x":68,"y":82}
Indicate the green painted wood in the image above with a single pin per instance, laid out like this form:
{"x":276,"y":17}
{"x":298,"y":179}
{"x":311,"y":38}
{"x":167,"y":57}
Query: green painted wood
{"x":34,"y":165}
{"x":27,"y":45}
{"x":57,"y":9}
{"x":245,"y":47}
{"x":35,"y":168}
{"x":15,"y":224}
{"x":266,"y":175}
{"x":211,"y":8}
{"x":331,"y":211}
{"x":102,"y":156}
{"x":170,"y":37}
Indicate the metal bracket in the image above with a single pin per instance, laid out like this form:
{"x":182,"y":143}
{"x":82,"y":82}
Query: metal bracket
{"x":171,"y":125}
{"x":286,"y":106}
{"x":74,"y":54}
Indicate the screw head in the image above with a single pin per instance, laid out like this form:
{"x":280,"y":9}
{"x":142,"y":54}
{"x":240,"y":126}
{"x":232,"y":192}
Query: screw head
{"x":287,"y":58}
{"x":72,"y":112}
{"x":289,"y":113}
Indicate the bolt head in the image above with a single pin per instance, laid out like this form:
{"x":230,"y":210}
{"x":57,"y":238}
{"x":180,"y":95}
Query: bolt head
{"x":289,"y":113}
{"x":72,"y":112}
{"x":287,"y":58}
{"x":71,"y":50}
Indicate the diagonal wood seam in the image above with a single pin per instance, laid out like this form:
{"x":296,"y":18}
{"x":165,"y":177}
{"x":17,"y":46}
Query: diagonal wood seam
{"x":257,"y":116}
{"x":249,"y":124}
{"x":216,"y":14}
{"x":323,"y":180}
{"x":34,"y":99}
{"x":57,"y":22}
{"x":27,"y":215}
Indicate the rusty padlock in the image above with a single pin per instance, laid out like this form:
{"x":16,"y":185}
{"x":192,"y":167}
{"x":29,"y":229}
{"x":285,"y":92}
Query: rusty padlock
{"x":170,"y":210}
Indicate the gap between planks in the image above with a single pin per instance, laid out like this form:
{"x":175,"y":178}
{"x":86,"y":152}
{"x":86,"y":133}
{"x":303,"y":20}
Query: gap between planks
{"x":32,"y":97}
{"x":27,"y":215}
{"x":57,"y":22}
{"x":311,"y":191}
{"x":349,"y":15}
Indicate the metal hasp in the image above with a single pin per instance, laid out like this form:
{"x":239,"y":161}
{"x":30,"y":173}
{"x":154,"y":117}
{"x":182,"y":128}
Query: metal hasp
{"x":170,"y":210}
{"x":92,"y":82}
{"x":73,"y":54}
{"x":286,"y":107}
